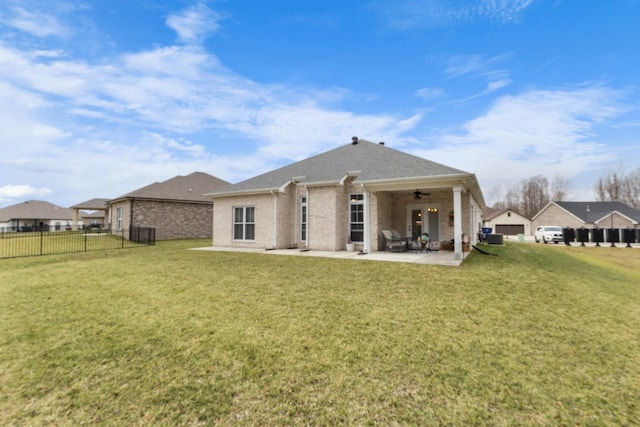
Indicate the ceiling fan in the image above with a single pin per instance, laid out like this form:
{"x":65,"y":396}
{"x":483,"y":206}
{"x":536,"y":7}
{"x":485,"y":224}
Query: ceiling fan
{"x":418,"y":194}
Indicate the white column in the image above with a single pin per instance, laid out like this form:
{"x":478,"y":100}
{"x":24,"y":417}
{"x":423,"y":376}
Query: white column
{"x":367,"y":223}
{"x":457,"y":222}
{"x":75,"y":219}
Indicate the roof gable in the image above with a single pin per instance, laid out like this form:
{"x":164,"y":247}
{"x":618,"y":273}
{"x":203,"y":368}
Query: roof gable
{"x":367,"y":160}
{"x":490,"y":213}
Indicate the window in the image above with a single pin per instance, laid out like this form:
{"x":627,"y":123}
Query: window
{"x":356,"y":217}
{"x":119,"y":219}
{"x":303,"y":219}
{"x":244,"y":223}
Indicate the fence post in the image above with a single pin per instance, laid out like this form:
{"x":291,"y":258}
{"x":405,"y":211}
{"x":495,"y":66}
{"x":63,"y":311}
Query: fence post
{"x":85,"y":239}
{"x":41,"y":241}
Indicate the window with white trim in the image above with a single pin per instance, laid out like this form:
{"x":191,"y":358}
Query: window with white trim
{"x":244,"y":223}
{"x":119,"y":219}
{"x":303,"y":219}
{"x":356,"y":217}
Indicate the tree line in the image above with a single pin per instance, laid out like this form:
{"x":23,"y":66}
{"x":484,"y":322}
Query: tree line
{"x":530,"y":195}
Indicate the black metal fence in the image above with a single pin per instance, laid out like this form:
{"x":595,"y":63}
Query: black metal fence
{"x":601,"y":236}
{"x":34,"y":243}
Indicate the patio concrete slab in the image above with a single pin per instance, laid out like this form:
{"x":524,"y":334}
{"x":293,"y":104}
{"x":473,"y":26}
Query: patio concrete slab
{"x":432,"y":258}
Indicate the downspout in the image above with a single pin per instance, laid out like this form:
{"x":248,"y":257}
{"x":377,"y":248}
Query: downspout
{"x":275,"y":219}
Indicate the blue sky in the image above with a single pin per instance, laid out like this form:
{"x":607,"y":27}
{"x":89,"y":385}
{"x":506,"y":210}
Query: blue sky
{"x":101,"y":97}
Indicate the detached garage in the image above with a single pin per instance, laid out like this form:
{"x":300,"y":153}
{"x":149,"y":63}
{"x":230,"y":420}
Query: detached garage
{"x":509,"y":229}
{"x":506,"y":221}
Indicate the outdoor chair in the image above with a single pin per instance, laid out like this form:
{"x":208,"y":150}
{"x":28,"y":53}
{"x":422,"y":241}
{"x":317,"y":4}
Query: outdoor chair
{"x":392,"y":241}
{"x":424,"y":242}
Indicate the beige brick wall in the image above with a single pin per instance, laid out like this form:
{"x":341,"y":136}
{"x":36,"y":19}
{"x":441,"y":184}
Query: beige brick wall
{"x":619,"y":221}
{"x":328,"y":216}
{"x":324,"y":231}
{"x":126,"y":215}
{"x":264,"y":215}
{"x":554,"y":215}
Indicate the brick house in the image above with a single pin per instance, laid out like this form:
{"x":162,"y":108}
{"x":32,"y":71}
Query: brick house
{"x":351,"y":192}
{"x":35,"y":215}
{"x":588,"y":215}
{"x":176,"y":208}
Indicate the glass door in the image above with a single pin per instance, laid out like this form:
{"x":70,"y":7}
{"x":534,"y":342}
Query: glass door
{"x":415,"y":222}
{"x":423,"y":219}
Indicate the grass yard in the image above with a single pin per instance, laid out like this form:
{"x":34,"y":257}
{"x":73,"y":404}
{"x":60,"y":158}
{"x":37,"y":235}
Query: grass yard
{"x":541,"y":335}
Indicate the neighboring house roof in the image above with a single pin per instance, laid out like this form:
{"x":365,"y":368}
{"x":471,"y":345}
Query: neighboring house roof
{"x":189,"y":188}
{"x":93,"y":215}
{"x":368,"y":162}
{"x":34,"y":209}
{"x":592,"y":212}
{"x":92,"y":205}
{"x":489,"y":213}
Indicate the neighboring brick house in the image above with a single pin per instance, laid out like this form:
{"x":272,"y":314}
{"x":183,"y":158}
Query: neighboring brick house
{"x":506,"y":221}
{"x":34,"y":215}
{"x":588,"y":215}
{"x":354,"y":191}
{"x":176,"y":208}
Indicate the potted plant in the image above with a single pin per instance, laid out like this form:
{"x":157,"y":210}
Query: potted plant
{"x":349,"y":244}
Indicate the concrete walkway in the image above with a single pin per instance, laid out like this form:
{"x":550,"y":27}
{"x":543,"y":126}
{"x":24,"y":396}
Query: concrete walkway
{"x":432,"y":258}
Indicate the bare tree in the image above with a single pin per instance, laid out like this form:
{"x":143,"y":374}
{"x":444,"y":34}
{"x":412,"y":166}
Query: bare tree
{"x":616,"y":186}
{"x":631,"y":189}
{"x":560,"y":187}
{"x":513,"y":198}
{"x":535,"y":195}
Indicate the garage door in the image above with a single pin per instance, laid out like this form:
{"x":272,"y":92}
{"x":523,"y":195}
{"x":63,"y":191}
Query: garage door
{"x":510,"y":229}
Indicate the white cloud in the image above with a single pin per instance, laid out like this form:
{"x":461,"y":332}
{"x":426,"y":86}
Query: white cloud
{"x":405,"y":14}
{"x":35,"y":23}
{"x":14,"y":193}
{"x":135,"y":118}
{"x":195,"y":23}
{"x":491,"y":87}
{"x":546,"y":132}
{"x":460,"y":65}
{"x":429,"y":93}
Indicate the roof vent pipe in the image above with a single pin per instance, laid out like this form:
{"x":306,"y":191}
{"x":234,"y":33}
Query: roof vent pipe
{"x":354,"y":140}
{"x":381,"y":142}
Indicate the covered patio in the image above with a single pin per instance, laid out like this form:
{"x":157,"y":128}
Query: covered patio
{"x":445,"y":258}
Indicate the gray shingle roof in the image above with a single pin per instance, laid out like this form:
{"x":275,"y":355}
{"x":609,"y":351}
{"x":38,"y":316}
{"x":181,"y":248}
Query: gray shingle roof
{"x":191,"y":187}
{"x":590,"y":212}
{"x":372,"y":161}
{"x":92,"y":205}
{"x":35,"y":209}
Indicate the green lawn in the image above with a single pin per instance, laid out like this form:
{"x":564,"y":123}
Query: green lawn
{"x":541,"y":335}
